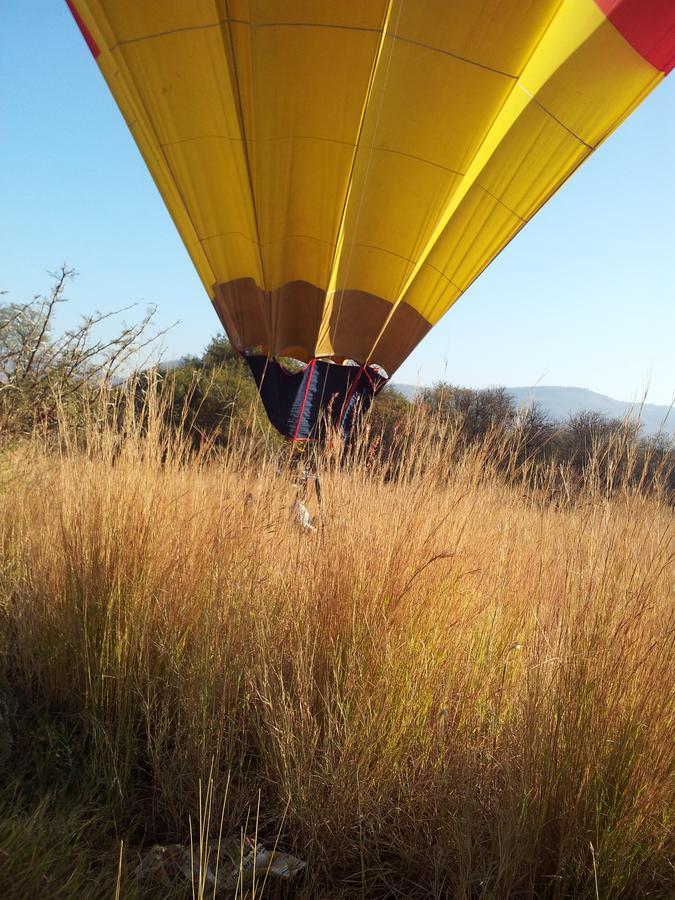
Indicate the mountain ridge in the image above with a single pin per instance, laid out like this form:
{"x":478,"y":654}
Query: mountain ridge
{"x":561,"y":402}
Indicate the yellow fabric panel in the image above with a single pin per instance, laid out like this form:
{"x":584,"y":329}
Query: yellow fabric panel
{"x":134,"y":20}
{"x":155,"y":160}
{"x":198,"y":131}
{"x":297,"y":257}
{"x":376,"y":270}
{"x":295,"y":71}
{"x":270,"y":60}
{"x":479,"y":228}
{"x":430,"y":105}
{"x":533,"y":157}
{"x":393,"y":182}
{"x":152,"y":80}
{"x":213,"y":186}
{"x":432,"y":293}
{"x":585,"y":74}
{"x":351,"y":14}
{"x":231,"y":254}
{"x":183,"y":81}
{"x":497,"y":34}
{"x":291,"y":196}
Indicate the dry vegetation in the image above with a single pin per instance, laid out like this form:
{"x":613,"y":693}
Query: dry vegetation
{"x":457,"y":687}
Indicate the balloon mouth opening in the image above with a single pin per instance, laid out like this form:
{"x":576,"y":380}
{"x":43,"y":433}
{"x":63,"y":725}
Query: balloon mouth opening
{"x":291,"y":363}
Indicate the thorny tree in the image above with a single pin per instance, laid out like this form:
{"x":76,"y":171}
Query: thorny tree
{"x":40,"y":372}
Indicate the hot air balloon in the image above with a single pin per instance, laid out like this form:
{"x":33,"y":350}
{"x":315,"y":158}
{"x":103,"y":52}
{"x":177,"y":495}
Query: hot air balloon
{"x":341,"y":171}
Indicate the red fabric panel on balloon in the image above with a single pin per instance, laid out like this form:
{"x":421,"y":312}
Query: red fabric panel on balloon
{"x":648,"y":26}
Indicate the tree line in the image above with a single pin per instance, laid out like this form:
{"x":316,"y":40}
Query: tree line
{"x":212,"y":399}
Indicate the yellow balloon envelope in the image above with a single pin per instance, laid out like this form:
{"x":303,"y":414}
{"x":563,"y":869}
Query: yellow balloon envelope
{"x":340,"y":171}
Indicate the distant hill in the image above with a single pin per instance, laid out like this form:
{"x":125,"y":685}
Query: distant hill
{"x":562,"y":402}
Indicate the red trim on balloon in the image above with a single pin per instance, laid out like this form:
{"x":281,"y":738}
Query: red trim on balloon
{"x":86,"y":34}
{"x":648,"y":26}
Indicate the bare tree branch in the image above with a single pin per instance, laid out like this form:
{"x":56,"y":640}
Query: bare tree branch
{"x":37,"y":370}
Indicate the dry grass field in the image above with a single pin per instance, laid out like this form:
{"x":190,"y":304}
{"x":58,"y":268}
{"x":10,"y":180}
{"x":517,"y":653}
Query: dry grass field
{"x":457,"y":686}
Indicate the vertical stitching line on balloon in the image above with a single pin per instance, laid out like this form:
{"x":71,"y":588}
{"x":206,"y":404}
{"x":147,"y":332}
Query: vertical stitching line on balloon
{"x":240,"y":113}
{"x":371,"y":149}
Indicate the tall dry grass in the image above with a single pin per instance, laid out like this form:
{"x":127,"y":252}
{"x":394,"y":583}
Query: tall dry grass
{"x":453,"y":688}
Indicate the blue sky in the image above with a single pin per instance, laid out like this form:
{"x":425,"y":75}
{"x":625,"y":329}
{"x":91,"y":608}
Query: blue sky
{"x":584,"y":296}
